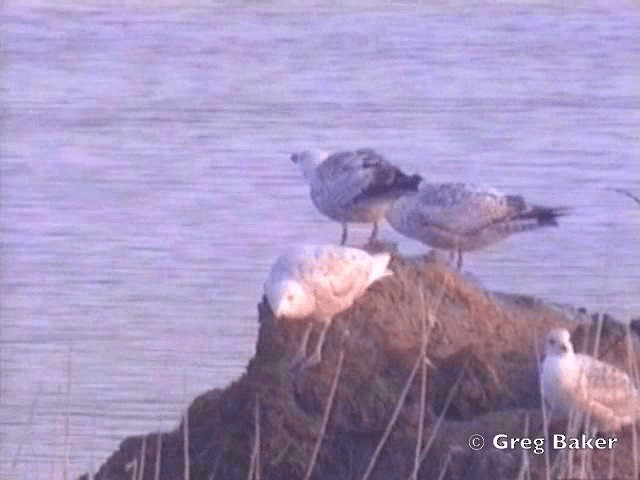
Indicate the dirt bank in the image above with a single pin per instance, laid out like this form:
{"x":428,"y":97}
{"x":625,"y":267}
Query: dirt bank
{"x":481,"y":378}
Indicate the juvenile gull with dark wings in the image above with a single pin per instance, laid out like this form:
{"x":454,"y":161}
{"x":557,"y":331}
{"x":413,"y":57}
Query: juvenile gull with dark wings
{"x":354,"y":186}
{"x":461,"y":217}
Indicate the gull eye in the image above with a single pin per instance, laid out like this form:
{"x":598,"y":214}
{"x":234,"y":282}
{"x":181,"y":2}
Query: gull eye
{"x":552,"y":341}
{"x":290,"y":297}
{"x":563,"y":348}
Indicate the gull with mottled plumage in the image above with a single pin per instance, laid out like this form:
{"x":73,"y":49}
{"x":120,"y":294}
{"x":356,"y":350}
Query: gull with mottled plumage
{"x":320,"y":282}
{"x":576,"y":383}
{"x":461,"y":217}
{"x":353,"y":186}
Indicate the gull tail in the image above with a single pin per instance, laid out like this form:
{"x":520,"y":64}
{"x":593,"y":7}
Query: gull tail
{"x":532,"y":218}
{"x":406,"y":183}
{"x":544,"y":216}
{"x":379,"y":268}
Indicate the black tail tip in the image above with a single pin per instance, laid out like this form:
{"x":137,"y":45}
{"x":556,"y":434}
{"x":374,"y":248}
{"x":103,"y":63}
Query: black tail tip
{"x":413,"y":181}
{"x":549,"y":216}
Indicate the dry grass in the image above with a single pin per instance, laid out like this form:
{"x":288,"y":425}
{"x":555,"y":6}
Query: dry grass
{"x":143,"y":457}
{"x":422,"y":412}
{"x":156,"y":470}
{"x":525,"y":467}
{"x":427,"y":323}
{"x":440,"y":419}
{"x":67,"y":419}
{"x":445,"y":466}
{"x":626,"y":193}
{"x":325,"y":417}
{"x":634,"y":371}
{"x":545,"y":417}
{"x":254,"y":467}
{"x":187,"y":461}
{"x":28,"y":426}
{"x":394,"y":416}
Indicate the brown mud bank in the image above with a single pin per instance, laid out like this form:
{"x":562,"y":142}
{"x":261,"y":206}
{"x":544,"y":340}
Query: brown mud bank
{"x":392,"y":413}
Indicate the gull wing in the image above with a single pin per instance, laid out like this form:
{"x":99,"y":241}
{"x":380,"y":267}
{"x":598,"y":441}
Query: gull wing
{"x":364,"y":175}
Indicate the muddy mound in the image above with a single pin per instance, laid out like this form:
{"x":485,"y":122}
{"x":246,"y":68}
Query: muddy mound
{"x":416,"y":367}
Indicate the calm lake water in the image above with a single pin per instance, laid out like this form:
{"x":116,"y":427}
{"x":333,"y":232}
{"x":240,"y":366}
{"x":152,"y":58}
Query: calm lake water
{"x":147,"y":187}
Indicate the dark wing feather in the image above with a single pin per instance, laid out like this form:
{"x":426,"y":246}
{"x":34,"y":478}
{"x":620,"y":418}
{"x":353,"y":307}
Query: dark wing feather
{"x":385,"y":180}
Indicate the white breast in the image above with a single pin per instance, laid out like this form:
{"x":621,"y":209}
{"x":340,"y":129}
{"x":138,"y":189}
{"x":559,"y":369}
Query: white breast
{"x":558,"y":380}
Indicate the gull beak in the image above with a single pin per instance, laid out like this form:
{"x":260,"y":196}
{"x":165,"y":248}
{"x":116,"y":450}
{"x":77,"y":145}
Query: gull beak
{"x":277,"y":312}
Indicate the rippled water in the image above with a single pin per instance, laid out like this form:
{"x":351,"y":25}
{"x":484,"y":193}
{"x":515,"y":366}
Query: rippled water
{"x":146,"y":185}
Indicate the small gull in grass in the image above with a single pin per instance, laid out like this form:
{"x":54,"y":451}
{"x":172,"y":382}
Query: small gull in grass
{"x":354,"y":186}
{"x":320,"y":282}
{"x":574,"y":382}
{"x":461,"y":217}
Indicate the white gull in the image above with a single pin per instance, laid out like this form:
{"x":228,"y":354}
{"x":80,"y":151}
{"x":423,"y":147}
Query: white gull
{"x":320,"y":282}
{"x":574,"y":382}
{"x":353,"y":186}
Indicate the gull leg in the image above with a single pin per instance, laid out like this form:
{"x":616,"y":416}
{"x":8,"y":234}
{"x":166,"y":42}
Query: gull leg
{"x":317,"y":354}
{"x":374,"y":233}
{"x":459,"y":259}
{"x":344,"y":234}
{"x":301,"y":354}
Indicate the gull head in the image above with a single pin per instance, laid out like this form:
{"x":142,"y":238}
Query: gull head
{"x":558,"y":342}
{"x":289,"y":300}
{"x":308,"y":160}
